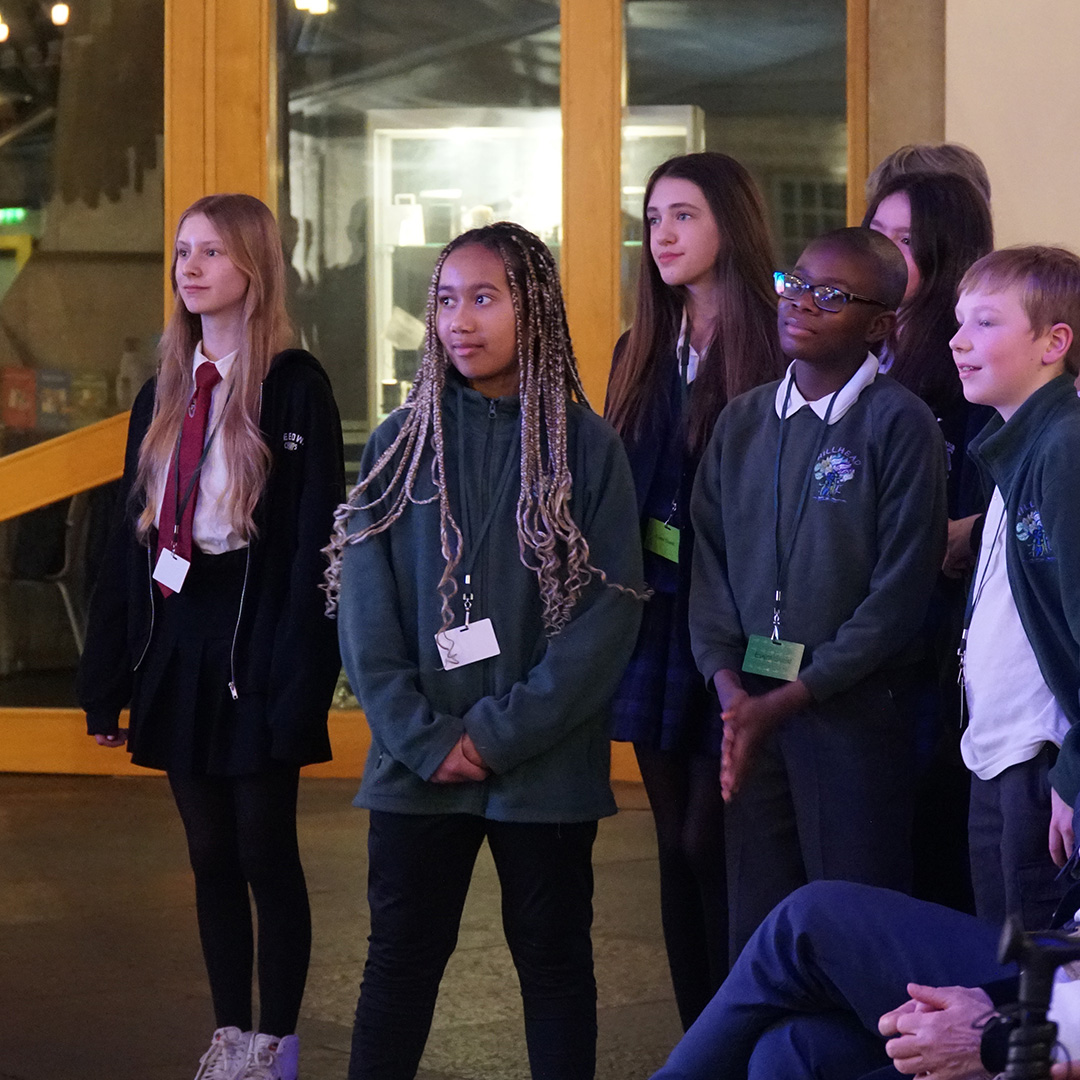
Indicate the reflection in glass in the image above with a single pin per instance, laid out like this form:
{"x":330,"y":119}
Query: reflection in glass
{"x":81,"y":120}
{"x":405,"y":125}
{"x":50,"y":558}
{"x":763,"y":81}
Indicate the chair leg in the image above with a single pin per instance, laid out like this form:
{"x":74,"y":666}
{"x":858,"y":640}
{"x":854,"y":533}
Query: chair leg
{"x":76,"y":624}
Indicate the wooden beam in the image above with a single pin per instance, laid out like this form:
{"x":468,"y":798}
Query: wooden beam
{"x":63,"y":466}
{"x":55,"y":741}
{"x":593,"y":93}
{"x":219,"y":88}
{"x":239,"y":92}
{"x":858,"y":107}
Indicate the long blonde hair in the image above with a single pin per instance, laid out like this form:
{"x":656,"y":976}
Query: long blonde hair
{"x":549,"y":540}
{"x":252,"y":242}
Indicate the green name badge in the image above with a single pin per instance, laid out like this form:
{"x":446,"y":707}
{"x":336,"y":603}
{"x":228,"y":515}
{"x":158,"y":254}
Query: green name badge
{"x":776,"y":659}
{"x":662,"y":540}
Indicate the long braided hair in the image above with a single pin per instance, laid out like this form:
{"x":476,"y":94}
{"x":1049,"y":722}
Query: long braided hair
{"x":549,"y":540}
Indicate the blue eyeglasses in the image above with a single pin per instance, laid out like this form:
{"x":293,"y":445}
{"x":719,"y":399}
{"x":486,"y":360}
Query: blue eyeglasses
{"x":826,"y":297}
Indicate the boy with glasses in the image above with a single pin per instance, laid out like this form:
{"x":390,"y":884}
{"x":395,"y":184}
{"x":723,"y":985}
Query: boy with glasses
{"x":820,"y":514}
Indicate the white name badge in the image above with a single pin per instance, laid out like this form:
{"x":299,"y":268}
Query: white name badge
{"x":463,"y":645}
{"x":171,"y":569}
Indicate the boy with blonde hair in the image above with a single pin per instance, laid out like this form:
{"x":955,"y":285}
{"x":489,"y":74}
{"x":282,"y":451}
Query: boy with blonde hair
{"x":1016,"y":350}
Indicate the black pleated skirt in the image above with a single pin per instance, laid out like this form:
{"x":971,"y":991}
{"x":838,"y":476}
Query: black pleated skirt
{"x":183,"y":716}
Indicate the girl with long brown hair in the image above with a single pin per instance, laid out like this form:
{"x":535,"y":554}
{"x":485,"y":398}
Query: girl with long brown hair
{"x":207,"y":618}
{"x":704,"y":331}
{"x":487,"y":594}
{"x":941,"y":223}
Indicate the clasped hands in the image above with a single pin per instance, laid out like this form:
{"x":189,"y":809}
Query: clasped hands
{"x":937,"y":1034}
{"x":747,"y":721}
{"x":462,"y":765}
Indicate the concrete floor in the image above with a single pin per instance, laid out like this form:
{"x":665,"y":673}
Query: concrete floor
{"x":101,"y":977}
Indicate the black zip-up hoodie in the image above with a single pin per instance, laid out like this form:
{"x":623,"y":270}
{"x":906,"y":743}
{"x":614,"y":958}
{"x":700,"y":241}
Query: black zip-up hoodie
{"x":285,"y":646}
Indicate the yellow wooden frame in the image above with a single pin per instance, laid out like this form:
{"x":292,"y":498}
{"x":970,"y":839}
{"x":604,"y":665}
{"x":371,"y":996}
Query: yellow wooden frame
{"x":220,"y":75}
{"x":64,"y":466}
{"x":858,"y":107}
{"x":220,"y":130}
{"x":21,"y":243}
{"x":593,"y":93}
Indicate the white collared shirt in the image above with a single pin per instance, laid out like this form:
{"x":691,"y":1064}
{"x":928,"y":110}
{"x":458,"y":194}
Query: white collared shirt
{"x":211,"y":530}
{"x":692,"y":358}
{"x":846,"y":396}
{"x":1012,"y":710}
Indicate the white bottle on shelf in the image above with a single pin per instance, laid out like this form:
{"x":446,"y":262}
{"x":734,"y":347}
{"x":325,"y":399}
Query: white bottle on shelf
{"x":129,"y":376}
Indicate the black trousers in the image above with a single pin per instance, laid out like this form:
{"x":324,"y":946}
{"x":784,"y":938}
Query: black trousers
{"x":419,"y":868}
{"x":828,"y":796}
{"x":1011,"y":867}
{"x":241,"y":832}
{"x":684,"y":793}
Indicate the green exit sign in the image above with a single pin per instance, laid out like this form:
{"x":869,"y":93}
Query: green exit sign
{"x":12,"y":215}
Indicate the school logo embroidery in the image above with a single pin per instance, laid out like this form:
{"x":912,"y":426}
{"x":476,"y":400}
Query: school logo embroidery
{"x":834,"y":467}
{"x":1032,"y":535}
{"x":292,"y":440}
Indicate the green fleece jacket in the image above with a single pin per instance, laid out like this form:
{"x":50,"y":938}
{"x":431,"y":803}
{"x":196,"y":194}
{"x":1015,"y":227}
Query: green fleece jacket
{"x":538,"y":711}
{"x":1035,"y":460}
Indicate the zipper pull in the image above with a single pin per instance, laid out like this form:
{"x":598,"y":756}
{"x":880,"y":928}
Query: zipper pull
{"x":467,"y":599}
{"x":491,"y":408}
{"x":232,"y":690}
{"x":960,"y":679}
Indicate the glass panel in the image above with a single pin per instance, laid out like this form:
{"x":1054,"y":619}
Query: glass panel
{"x":403,"y":125}
{"x":50,"y":558}
{"x":761,"y":80}
{"x":81,"y":120}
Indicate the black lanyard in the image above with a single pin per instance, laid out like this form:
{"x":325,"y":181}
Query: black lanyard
{"x":783,"y":559}
{"x":181,"y":505}
{"x":976,"y":595}
{"x":471,"y":544}
{"x":683,"y":355}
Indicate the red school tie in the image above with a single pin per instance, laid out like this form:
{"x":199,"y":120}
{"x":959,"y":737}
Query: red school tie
{"x":192,"y":438}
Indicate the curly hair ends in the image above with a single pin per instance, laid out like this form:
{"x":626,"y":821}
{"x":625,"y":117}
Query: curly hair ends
{"x":549,"y":540}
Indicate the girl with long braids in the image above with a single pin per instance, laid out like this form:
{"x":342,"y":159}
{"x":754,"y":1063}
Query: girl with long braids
{"x":941,"y":223}
{"x":208,"y":618}
{"x":703,"y":332}
{"x":487,"y":593}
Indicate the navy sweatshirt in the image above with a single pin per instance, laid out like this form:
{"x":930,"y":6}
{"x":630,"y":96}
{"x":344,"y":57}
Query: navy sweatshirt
{"x":867,"y":552}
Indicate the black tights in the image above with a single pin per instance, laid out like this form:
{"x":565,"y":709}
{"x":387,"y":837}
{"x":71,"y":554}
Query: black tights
{"x":241,"y":831}
{"x":684,"y":791}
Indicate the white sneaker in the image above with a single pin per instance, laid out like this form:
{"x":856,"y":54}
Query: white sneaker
{"x":271,"y":1058}
{"x":227,"y":1054}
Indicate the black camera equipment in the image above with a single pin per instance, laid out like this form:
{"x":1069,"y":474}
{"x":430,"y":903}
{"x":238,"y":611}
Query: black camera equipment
{"x":1039,"y":955}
